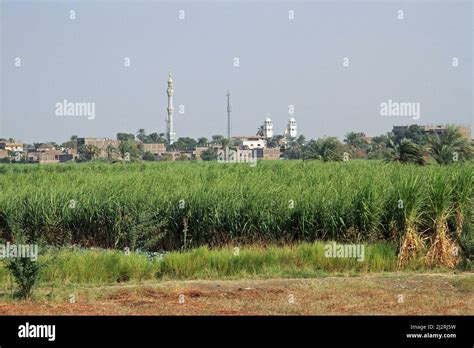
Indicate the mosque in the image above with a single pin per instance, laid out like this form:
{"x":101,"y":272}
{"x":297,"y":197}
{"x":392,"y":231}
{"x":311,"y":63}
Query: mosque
{"x":289,"y":132}
{"x":257,"y":141}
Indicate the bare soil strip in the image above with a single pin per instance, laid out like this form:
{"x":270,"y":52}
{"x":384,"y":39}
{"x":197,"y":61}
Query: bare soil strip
{"x":387,"y":294}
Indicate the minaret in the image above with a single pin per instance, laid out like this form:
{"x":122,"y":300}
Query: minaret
{"x":170,"y":134}
{"x":291,"y":128}
{"x":229,"y":109}
{"x":268,"y":127}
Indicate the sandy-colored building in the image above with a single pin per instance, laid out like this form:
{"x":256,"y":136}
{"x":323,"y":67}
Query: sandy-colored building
{"x":16,"y":147}
{"x":271,"y":154}
{"x":198,"y":152}
{"x":47,"y":156}
{"x":101,"y":143}
{"x":436,"y":129}
{"x":154,"y":148}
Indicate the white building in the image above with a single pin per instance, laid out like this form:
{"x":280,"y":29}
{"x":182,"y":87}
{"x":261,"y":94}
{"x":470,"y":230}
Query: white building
{"x":252,"y":142}
{"x":291,"y":129}
{"x":268,"y":128}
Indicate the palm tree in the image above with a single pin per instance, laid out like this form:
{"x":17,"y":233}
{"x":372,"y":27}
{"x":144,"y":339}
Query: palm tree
{"x":124,"y":148}
{"x":274,"y":141}
{"x":89,"y":151}
{"x":450,"y":146}
{"x":405,"y":152}
{"x":260,"y":131}
{"x":356,"y":140}
{"x":301,"y":140}
{"x":158,"y":138}
{"x":325,"y":149}
{"x":111,"y":150}
{"x":236,"y":143}
{"x":202,"y":142}
{"x":216,"y":139}
{"x":224,"y":142}
{"x":141,"y":134}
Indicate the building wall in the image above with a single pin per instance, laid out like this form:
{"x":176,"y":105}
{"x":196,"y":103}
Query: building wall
{"x":436,"y":129}
{"x":271,"y":154}
{"x":14,"y":147}
{"x":100,"y":143}
{"x":466,"y":132}
{"x":49,"y":156}
{"x":254,"y":143}
{"x":199,"y":151}
{"x":154,"y":148}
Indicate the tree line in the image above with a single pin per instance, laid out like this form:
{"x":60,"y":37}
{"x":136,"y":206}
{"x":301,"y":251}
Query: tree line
{"x":410,"y":145}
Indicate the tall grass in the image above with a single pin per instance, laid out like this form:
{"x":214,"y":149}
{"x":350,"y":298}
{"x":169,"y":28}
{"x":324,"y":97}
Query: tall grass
{"x":298,"y":260}
{"x":70,"y":267}
{"x":171,"y":206}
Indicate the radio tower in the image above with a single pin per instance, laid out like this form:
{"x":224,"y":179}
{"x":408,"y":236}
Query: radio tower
{"x":229,"y":109}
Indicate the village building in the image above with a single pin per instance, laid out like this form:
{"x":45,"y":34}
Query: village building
{"x":435,"y":129}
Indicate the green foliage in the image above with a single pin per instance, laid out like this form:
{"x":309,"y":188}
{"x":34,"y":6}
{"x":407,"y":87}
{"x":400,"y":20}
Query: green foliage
{"x":155,"y":138}
{"x":201,"y":142}
{"x":450,"y":147}
{"x":148,"y":156}
{"x":274,"y":141}
{"x":301,"y":259}
{"x":118,"y":206}
{"x":413,"y":133}
{"x":89,"y":151}
{"x":141,"y":134}
{"x":182,"y":157}
{"x":324,"y":149}
{"x":68,"y":266}
{"x":216,"y":139}
{"x":166,"y":157}
{"x":125,"y":136}
{"x":183,"y":144}
{"x":356,"y":140}
{"x":209,"y":154}
{"x":294,"y":153}
{"x":129,"y":149}
{"x":26,"y":273}
{"x":406,"y":152}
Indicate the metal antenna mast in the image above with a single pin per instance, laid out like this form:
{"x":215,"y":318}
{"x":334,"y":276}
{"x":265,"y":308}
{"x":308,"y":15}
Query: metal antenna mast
{"x":229,"y":109}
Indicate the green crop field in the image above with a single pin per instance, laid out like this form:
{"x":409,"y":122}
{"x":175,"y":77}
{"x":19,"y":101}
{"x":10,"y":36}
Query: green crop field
{"x":172,"y":206}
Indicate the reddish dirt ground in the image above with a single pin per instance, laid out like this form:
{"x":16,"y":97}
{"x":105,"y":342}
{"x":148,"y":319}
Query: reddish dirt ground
{"x":413,"y":294}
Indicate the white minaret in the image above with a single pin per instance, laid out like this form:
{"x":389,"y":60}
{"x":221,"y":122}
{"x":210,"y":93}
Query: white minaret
{"x":291,"y":129}
{"x":170,"y":134}
{"x":268,"y":128}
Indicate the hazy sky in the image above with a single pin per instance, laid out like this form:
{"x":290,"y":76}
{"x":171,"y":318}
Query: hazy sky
{"x":282,"y":62}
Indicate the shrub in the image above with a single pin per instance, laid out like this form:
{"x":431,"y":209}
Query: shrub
{"x":26,"y":273}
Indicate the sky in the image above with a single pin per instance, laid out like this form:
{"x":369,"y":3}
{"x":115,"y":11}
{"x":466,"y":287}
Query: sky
{"x":283,"y":61}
